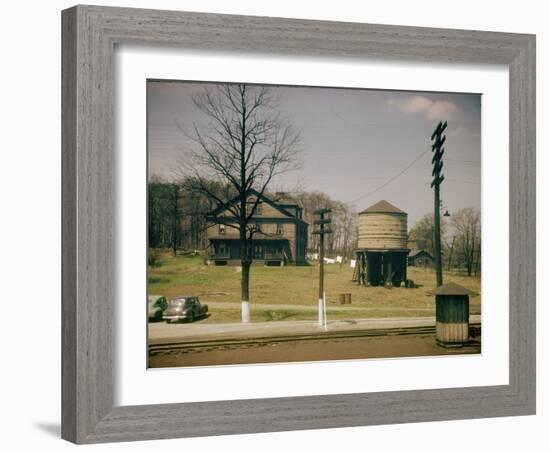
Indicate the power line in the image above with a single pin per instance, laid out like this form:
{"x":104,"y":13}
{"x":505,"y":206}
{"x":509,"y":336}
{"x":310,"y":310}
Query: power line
{"x":393,"y":178}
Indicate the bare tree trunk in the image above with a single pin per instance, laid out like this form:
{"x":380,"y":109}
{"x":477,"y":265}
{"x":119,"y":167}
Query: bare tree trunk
{"x":451,"y":254}
{"x":245,"y":282}
{"x":478,"y":259}
{"x":245,"y":261}
{"x":245,"y":268}
{"x":175,"y":218}
{"x":471,"y":257}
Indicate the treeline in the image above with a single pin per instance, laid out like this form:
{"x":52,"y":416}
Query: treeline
{"x":177,"y":217}
{"x":460,"y":239}
{"x":176,"y":214}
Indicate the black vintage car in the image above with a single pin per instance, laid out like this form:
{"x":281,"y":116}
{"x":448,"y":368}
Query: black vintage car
{"x":186,"y":308}
{"x":156,"y":304}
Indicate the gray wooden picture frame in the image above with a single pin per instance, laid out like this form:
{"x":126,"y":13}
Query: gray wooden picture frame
{"x":89,"y":36}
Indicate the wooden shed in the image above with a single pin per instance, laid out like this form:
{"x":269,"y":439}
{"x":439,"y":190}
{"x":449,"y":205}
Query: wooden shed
{"x":382,"y":246}
{"x":452,"y":313}
{"x":420,"y":258}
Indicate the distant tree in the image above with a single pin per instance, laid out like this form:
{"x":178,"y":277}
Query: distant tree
{"x":160,"y":227}
{"x":343,"y":226}
{"x":245,"y":144}
{"x":312,"y":201}
{"x":422,"y":233}
{"x":343,"y":238}
{"x":175,"y":214}
{"x":349,"y":231}
{"x":467,"y":225}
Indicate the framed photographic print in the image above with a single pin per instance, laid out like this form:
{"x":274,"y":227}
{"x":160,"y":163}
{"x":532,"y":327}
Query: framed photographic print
{"x":267,"y":222}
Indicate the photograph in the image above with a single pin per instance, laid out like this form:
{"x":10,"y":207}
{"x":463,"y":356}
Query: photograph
{"x":292,"y":224}
{"x":272,"y":225}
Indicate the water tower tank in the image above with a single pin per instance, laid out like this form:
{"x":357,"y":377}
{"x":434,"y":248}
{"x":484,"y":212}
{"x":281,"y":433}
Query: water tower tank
{"x":382,"y":226}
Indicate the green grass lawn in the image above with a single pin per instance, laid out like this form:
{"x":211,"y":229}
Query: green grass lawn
{"x":294,"y":286}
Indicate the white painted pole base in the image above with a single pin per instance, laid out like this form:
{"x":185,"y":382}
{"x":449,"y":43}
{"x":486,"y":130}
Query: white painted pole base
{"x":325,"y":321}
{"x":245,"y":312}
{"x":321,"y":315}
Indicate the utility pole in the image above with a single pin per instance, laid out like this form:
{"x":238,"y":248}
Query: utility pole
{"x":323,"y":229}
{"x":438,"y":139}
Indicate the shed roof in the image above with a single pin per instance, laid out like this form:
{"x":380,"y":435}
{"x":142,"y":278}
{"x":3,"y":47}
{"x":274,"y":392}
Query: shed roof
{"x":417,"y":252}
{"x":257,"y":237}
{"x":452,"y":289}
{"x":383,"y":207}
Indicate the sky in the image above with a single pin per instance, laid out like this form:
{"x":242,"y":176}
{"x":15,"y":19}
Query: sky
{"x":358,"y":146}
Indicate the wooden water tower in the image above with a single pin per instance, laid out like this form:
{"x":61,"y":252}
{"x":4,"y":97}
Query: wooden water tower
{"x":382,"y":246}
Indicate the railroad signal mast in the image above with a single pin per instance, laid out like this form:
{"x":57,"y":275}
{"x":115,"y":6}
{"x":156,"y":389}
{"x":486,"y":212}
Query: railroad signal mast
{"x":323,"y":228}
{"x":438,"y":139}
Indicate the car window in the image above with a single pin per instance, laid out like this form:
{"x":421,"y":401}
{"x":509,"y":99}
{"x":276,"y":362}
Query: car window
{"x":181,"y":301}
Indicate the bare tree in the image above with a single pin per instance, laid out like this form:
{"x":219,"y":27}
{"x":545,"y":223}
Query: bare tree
{"x":245,"y":144}
{"x":467,"y":224}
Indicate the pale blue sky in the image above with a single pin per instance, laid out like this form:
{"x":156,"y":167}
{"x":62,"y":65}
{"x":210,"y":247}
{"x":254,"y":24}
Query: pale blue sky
{"x":353,"y":142}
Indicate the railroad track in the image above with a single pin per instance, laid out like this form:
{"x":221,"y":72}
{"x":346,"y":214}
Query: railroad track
{"x":231,"y":344}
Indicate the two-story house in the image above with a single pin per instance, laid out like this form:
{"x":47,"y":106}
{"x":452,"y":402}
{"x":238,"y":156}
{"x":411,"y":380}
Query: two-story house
{"x":280,"y":237}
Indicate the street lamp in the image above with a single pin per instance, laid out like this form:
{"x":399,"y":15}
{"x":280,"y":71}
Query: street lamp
{"x":441,"y":206}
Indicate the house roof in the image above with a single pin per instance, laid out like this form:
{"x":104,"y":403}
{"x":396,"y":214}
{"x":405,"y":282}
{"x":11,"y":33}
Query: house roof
{"x":282,"y":199}
{"x":452,"y":289}
{"x":417,"y":252}
{"x":282,"y":207}
{"x":382,"y":207}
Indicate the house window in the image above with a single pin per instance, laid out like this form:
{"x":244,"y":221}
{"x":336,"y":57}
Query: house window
{"x":280,"y":228}
{"x":222,"y":228}
{"x":258,"y":251}
{"x":258,"y":227}
{"x":222,"y":249}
